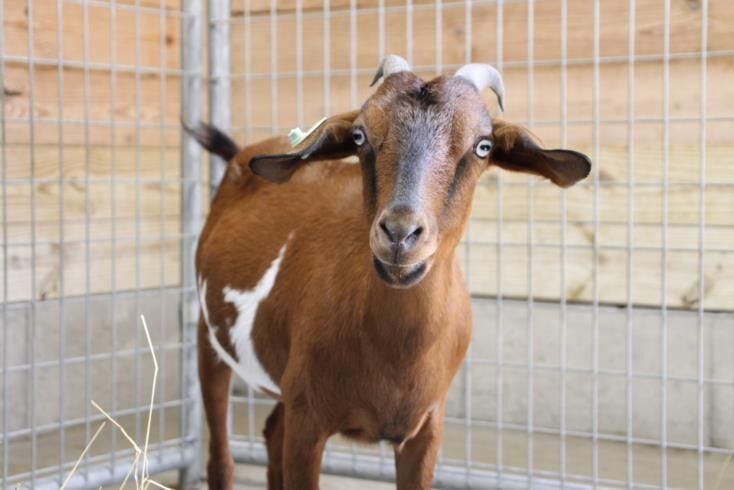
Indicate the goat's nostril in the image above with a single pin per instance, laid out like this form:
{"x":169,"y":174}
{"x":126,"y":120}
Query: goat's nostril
{"x":385,"y":229}
{"x":400,"y":232}
{"x":416,"y":233}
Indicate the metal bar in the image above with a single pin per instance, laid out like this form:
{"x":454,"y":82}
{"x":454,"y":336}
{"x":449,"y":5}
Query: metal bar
{"x":353,"y":104}
{"x":467,"y":398}
{"x":488,"y":182}
{"x":409,"y":31}
{"x":87,"y":234}
{"x":452,"y":477}
{"x":219,"y":83}
{"x":274,"y":66}
{"x":62,"y":319}
{"x":163,"y":304}
{"x":551,"y":368}
{"x":114,"y":217}
{"x":92,"y":66}
{"x":353,"y":53}
{"x":33,"y":262}
{"x":438,"y":26}
{"x":99,"y":356}
{"x":299,"y":63}
{"x":499,"y":375}
{"x":40,"y":121}
{"x":664,"y":255}
{"x":78,"y":421}
{"x":101,"y":475}
{"x":595,"y":268}
{"x":4,"y":184}
{"x":138,"y":213}
{"x":250,"y":401}
{"x":380,"y":54}
{"x":701,"y":478}
{"x":602,"y":437}
{"x":509,"y":244}
{"x":551,"y":62}
{"x":563,"y":327}
{"x":381,"y":9}
{"x":121,"y":6}
{"x":326,"y":75}
{"x":629,"y":311}
{"x":513,"y":64}
{"x":530,"y":325}
{"x":191,"y":211}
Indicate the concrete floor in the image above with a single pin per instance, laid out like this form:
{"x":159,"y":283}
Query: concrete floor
{"x":253,"y":478}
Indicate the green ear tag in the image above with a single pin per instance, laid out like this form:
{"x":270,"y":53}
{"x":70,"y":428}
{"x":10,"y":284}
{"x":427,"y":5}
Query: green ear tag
{"x":296,"y":135}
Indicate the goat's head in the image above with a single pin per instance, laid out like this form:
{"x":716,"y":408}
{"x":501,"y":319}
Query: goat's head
{"x":422,"y":147}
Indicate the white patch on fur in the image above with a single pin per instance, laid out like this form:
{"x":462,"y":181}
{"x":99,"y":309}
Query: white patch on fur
{"x":352,"y":159}
{"x":246,"y":302}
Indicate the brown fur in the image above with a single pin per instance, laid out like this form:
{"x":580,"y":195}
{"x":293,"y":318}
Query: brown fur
{"x":351,"y":353}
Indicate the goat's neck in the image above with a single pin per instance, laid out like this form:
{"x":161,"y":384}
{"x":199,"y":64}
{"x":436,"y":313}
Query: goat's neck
{"x":417,"y":312}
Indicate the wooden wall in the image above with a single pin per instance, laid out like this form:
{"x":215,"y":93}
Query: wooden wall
{"x":142,"y":154}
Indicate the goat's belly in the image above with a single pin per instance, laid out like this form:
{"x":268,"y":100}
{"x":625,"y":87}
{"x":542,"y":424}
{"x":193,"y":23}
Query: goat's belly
{"x":395,"y":427}
{"x":247,"y":365}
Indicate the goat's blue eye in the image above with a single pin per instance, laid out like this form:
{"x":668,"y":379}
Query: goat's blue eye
{"x":482,"y":148}
{"x":358,"y":136}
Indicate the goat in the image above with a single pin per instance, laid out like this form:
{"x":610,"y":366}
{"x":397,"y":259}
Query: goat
{"x":333,"y":287}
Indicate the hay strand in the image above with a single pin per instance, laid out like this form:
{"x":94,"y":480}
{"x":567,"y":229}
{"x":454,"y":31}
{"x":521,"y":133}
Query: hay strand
{"x":139,"y":467}
{"x":81,"y":456}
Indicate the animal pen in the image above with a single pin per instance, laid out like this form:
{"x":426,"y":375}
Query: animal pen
{"x":603,"y":350}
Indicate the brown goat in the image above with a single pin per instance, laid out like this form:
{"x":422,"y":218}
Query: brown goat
{"x":334,"y":288}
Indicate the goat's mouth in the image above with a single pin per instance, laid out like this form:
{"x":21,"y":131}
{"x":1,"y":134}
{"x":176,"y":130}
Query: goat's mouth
{"x":400,"y":276}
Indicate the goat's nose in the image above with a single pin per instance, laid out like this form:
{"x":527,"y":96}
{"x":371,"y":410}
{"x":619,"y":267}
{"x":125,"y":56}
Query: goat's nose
{"x":402,"y":227}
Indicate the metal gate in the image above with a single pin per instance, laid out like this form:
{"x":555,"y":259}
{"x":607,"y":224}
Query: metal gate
{"x":603,"y":352}
{"x":100,"y":213}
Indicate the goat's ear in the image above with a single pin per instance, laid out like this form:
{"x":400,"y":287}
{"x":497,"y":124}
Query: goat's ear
{"x":332,"y":139}
{"x":516,"y":148}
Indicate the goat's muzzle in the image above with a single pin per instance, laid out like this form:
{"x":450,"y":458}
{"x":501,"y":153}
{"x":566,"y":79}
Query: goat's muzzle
{"x":403,"y":241}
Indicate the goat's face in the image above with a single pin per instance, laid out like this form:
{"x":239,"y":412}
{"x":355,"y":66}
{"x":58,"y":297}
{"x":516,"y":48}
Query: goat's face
{"x":422,"y":148}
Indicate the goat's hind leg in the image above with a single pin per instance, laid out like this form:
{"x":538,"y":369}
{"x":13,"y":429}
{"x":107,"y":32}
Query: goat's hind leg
{"x":416,"y":459}
{"x":214,"y":377}
{"x":273,"y":433}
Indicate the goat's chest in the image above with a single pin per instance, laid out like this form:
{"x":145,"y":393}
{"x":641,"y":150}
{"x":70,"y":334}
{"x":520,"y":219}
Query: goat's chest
{"x":376,"y":392}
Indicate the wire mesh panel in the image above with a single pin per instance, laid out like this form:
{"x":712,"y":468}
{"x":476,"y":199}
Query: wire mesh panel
{"x":603,"y":351}
{"x":94,"y":233}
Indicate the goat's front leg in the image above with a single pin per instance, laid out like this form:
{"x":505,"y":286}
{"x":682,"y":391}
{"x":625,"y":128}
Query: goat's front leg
{"x":303,"y":447}
{"x":274,"y":442}
{"x":215,"y":377}
{"x":415,"y":460}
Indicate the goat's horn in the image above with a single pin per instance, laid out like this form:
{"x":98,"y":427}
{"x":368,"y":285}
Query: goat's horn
{"x":484,"y":76}
{"x":390,"y":64}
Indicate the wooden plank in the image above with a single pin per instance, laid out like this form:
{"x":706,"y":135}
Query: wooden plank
{"x":684,"y":27}
{"x":158,"y":191}
{"x":159,"y":44}
{"x":648,"y":192}
{"x":546,"y":106}
{"x":680,"y":290}
{"x":148,"y":259}
{"x":101,"y":107}
{"x":147,"y":163}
